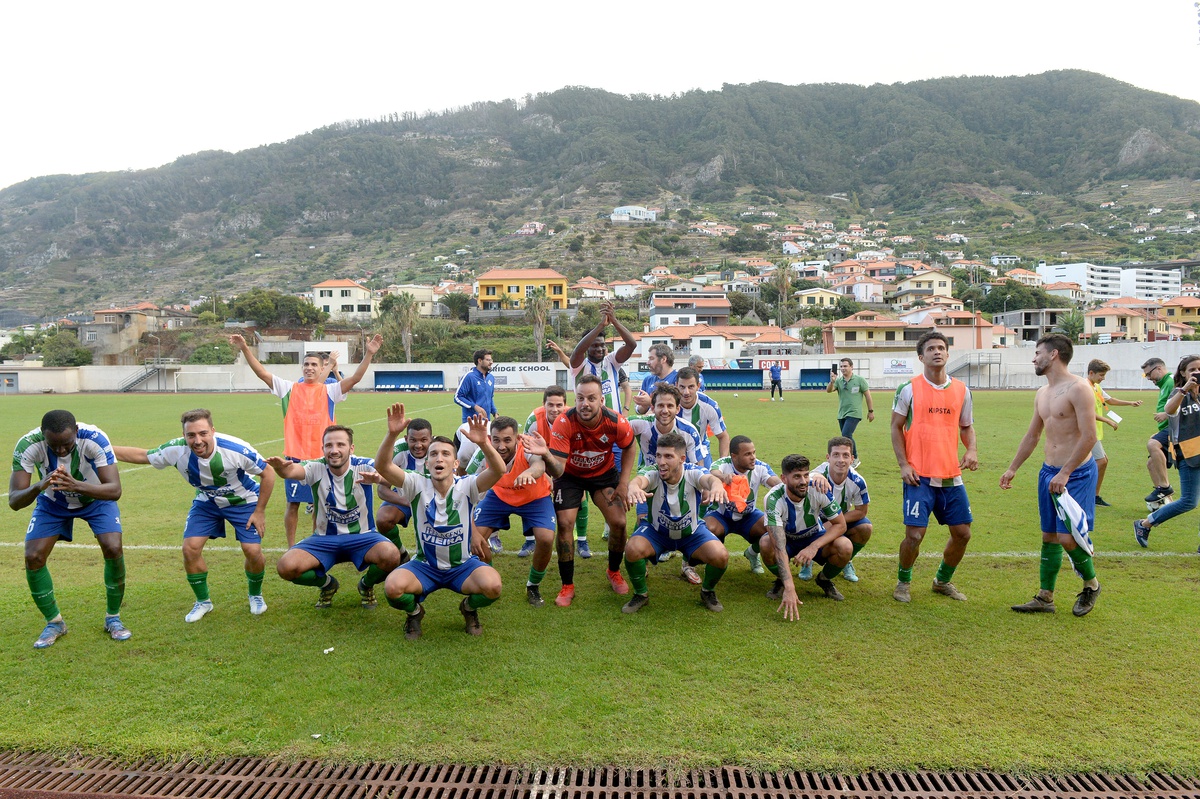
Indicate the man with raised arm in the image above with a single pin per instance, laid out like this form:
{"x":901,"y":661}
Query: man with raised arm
{"x":447,"y":552}
{"x":742,"y":474}
{"x":522,"y":490}
{"x":554,"y":402}
{"x":308,"y":408}
{"x":76,"y":479}
{"x":345,"y":529}
{"x":221,"y":468}
{"x":676,"y":492}
{"x":1065,"y":408}
{"x":931,"y":414}
{"x":579,"y":456}
{"x":409,"y":454}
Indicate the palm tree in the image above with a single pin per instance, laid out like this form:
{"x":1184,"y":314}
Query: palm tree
{"x":537,"y":308}
{"x":401,"y":311}
{"x":782,"y":281}
{"x":1071,"y":324}
{"x":458,"y":304}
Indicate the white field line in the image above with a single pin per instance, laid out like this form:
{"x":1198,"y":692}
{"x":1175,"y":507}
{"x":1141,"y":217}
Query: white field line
{"x":1140,"y":553}
{"x":133,"y":469}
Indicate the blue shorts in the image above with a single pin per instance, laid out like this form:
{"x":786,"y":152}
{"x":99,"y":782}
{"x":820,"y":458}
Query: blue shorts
{"x":741,"y":526}
{"x":794,"y":545}
{"x":295,"y":491}
{"x":333,"y":549}
{"x":432,"y":578}
{"x":949,"y":504}
{"x":206,"y":520}
{"x":851,"y":525}
{"x":1081,"y":485}
{"x":664,"y":543}
{"x":49,"y":520}
{"x":405,"y":511}
{"x":494,"y":513}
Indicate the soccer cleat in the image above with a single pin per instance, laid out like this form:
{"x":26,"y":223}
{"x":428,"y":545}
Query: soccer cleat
{"x":258,"y":606}
{"x":772,"y":399}
{"x":903,"y":592}
{"x":412,"y":624}
{"x":606,"y":532}
{"x":54,"y":630}
{"x":1142,"y":533}
{"x":534,"y":595}
{"x":404,"y":556}
{"x":665,"y":556}
{"x":948,"y":589}
{"x":635,"y":603}
{"x":1085,"y":600}
{"x":776,"y":591}
{"x":805,"y":572}
{"x":308,"y":510}
{"x":367,"y":595}
{"x":582,"y":548}
{"x":617,"y":582}
{"x":1101,"y":503}
{"x":494,"y":543}
{"x":325,"y":598}
{"x":199,"y":611}
{"x":755,"y":562}
{"x":849,"y":574}
{"x":565,"y":596}
{"x":119,"y":632}
{"x":1159,"y":493}
{"x":710,"y":601}
{"x":688,"y":573}
{"x":1036,"y":605}
{"x":826,"y":585}
{"x":526,"y":548}
{"x":470,"y":617}
{"x":856,"y":463}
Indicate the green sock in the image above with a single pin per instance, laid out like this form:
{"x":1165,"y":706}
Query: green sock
{"x":775,"y":570}
{"x":637,"y":574}
{"x":199,"y":584}
{"x":42,"y":589}
{"x":114,"y":584}
{"x":1083,"y":562}
{"x":829,"y":571}
{"x":477,"y":601}
{"x":535,"y":576}
{"x":404,"y":602}
{"x":254,"y":583}
{"x":581,"y":521}
{"x":904,"y":575}
{"x":712,"y":576}
{"x":945,"y":572}
{"x":1051,"y":563}
{"x":393,"y":535}
{"x":857,"y":548}
{"x":374,"y":576}
{"x":311,"y":578}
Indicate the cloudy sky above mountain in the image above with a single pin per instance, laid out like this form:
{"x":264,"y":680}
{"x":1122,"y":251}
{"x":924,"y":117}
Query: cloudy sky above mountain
{"x":129,"y":85}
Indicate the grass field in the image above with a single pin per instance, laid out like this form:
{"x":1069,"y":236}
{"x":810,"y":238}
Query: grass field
{"x":863,"y":684}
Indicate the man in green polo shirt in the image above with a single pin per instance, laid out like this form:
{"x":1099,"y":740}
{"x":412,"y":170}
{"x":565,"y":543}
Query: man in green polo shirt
{"x":1159,"y":445}
{"x":852,"y":391}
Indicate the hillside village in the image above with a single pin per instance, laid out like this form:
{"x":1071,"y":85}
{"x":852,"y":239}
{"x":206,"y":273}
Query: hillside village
{"x":848,"y":289}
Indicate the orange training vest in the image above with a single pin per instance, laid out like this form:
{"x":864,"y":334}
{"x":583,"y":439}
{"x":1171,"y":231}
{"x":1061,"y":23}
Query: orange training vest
{"x":931,"y":440}
{"x":504,"y":490}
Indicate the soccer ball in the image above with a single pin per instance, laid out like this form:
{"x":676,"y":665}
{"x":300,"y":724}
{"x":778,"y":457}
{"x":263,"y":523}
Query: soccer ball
{"x":1156,"y":504}
{"x":735,"y":395}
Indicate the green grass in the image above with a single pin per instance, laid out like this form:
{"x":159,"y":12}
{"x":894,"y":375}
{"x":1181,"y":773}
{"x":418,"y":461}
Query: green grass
{"x":862,"y":684}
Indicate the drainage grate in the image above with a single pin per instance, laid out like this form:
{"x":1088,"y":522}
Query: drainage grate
{"x":34,"y":776}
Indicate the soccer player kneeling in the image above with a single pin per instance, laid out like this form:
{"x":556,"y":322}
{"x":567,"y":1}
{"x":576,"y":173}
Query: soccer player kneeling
{"x":676,"y":493}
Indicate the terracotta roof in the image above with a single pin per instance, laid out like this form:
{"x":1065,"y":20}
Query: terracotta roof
{"x":773,"y":338}
{"x":675,"y":303}
{"x":1183,"y":302}
{"x":521,"y":274}
{"x":880,"y":320}
{"x":141,"y":306}
{"x":339,"y":283}
{"x":1063,"y":285}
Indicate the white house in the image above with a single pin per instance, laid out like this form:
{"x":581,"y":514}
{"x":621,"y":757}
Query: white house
{"x":633,"y":213}
{"x":345,"y":300}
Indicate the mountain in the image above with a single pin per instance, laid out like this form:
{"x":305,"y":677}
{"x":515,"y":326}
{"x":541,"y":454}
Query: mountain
{"x":375,"y":195}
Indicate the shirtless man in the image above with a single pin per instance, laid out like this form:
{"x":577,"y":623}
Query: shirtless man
{"x":1065,"y":409}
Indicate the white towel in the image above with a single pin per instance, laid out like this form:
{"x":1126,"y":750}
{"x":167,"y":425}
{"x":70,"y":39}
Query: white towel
{"x":1074,"y":518}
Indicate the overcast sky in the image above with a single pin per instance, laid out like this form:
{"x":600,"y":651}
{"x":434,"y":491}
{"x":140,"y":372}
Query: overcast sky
{"x":106,"y":86}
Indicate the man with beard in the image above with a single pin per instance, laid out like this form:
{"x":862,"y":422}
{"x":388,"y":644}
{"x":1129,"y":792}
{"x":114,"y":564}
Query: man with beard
{"x":540,"y":420}
{"x":476,"y":392}
{"x":409,"y":454}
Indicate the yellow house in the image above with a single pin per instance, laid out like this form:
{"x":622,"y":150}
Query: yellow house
{"x":505,"y":289}
{"x":866,"y":330}
{"x":1182,"y":309}
{"x":931,"y":286}
{"x":818,"y":298}
{"x":1122,"y":324}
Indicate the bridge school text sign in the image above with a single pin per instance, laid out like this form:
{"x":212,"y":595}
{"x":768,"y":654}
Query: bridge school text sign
{"x":520,"y":375}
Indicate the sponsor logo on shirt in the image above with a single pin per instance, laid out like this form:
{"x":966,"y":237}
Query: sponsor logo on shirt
{"x":343,"y":516}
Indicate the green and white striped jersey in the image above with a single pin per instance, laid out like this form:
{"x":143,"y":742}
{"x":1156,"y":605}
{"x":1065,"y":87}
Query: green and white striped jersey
{"x":344,"y":504}
{"x":92,"y":451}
{"x":800,"y":519}
{"x":675,"y":510}
{"x":222,"y":478}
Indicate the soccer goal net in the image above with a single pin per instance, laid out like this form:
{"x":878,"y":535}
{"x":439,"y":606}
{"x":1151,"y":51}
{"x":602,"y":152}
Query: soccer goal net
{"x":204,"y":381}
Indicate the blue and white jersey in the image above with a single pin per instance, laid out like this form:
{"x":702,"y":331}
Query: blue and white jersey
{"x":476,"y":388}
{"x":675,"y":510}
{"x":407,"y":461}
{"x":222,"y":478}
{"x":443,"y":522}
{"x":851,"y":492}
{"x":800,"y":519}
{"x":345,"y":505}
{"x":646,"y":431}
{"x":776,"y":372}
{"x":652,"y":380}
{"x":706,"y":417}
{"x":92,"y":451}
{"x":756,"y":477}
{"x":609,"y":372}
